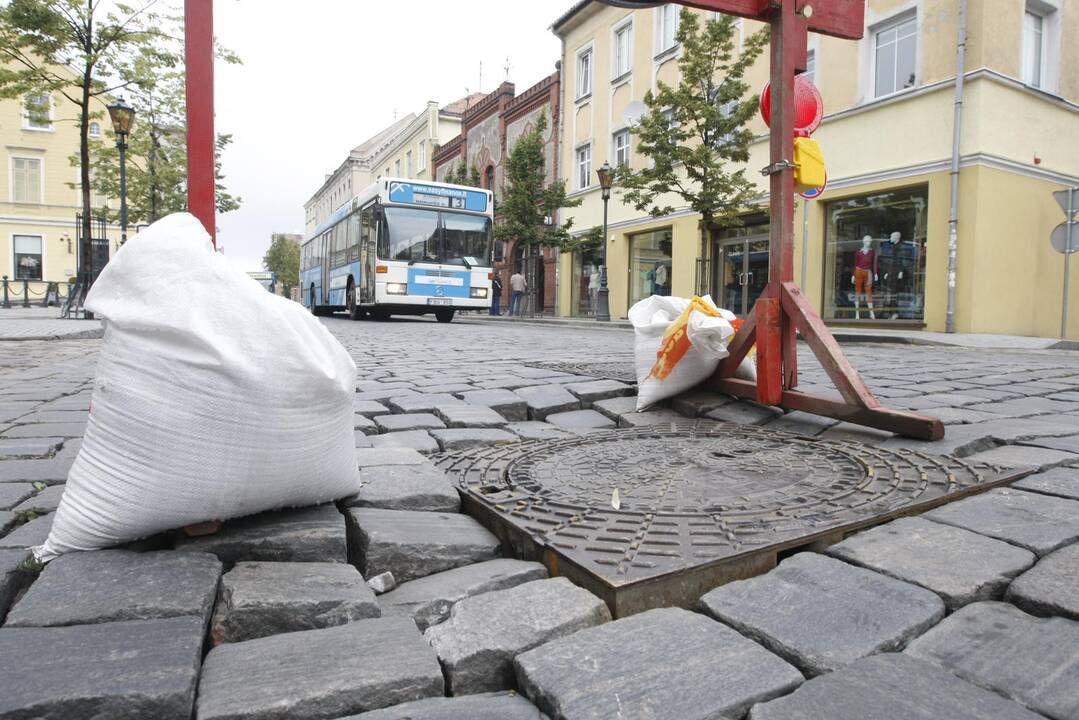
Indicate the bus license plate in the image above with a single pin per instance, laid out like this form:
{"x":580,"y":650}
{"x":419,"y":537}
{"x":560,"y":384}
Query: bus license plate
{"x":439,"y":301}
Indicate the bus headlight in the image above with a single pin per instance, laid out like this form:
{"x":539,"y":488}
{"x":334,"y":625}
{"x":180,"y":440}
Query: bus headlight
{"x":397,"y":288}
{"x":480,"y":293}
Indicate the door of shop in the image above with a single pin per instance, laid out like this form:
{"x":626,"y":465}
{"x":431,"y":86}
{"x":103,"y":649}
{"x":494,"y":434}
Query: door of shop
{"x":743,"y":272}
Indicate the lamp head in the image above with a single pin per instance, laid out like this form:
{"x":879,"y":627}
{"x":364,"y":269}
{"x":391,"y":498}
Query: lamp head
{"x":123,"y":117}
{"x":605,"y":179}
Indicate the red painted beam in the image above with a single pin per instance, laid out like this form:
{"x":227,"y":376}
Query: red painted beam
{"x":839,"y":18}
{"x":199,"y":86}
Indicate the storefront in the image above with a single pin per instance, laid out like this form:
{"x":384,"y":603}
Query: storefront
{"x":650,"y":265}
{"x":742,"y":263}
{"x":585,"y":281}
{"x":875,"y":256}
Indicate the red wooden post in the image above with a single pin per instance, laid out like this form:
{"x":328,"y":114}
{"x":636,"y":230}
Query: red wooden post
{"x":769,"y":351}
{"x":199,"y":86}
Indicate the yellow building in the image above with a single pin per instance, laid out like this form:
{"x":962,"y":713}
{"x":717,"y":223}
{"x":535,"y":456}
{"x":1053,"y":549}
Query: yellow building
{"x":888,"y":145}
{"x":39,"y":192}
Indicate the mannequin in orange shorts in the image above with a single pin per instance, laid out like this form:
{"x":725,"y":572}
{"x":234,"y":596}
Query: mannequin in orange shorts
{"x":865,"y":270}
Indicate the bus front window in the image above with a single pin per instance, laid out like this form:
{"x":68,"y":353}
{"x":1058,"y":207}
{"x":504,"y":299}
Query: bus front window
{"x":413,"y":234}
{"x":466,"y":236}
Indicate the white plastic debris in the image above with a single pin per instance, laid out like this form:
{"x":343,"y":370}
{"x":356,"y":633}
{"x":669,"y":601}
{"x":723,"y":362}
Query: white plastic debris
{"x":213,"y":399}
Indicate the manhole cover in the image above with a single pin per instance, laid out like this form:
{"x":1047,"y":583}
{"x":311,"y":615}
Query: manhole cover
{"x":698,"y":503}
{"x":606,"y":370}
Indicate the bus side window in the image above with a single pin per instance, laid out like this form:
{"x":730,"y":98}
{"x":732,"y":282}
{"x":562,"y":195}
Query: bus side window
{"x":353,"y":237}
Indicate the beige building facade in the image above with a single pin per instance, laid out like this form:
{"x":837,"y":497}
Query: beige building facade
{"x":39,"y":193}
{"x":887,"y":138}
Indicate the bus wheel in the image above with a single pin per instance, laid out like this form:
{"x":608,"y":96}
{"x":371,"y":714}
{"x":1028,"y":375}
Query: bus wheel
{"x":380,"y":315}
{"x":444,"y":316}
{"x":354,"y":312}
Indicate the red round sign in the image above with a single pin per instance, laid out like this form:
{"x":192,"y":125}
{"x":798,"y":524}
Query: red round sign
{"x":808,"y":106}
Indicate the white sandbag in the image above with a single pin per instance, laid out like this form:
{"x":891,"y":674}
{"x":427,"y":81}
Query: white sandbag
{"x":708,"y":336}
{"x":213,"y":398}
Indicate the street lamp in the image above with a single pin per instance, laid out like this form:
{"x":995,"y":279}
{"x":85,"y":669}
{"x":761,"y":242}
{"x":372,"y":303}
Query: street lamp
{"x":123,"y":119}
{"x":603,"y":310}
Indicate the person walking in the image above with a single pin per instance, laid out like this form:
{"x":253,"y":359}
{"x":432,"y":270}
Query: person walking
{"x":518,"y":286}
{"x":496,"y":295}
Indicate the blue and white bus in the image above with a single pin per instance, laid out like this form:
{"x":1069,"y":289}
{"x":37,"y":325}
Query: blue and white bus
{"x":402,"y":247}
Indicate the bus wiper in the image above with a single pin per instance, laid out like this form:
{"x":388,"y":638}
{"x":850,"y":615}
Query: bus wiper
{"x":464,"y":262}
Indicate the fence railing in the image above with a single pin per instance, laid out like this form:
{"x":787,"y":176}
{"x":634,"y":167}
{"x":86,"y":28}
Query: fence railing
{"x":30,"y":293}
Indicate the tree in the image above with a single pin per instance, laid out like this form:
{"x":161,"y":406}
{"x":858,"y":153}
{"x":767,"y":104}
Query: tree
{"x":283,"y":258}
{"x":528,"y":203}
{"x":78,"y":49}
{"x":461,"y":175}
{"x":695,"y":134}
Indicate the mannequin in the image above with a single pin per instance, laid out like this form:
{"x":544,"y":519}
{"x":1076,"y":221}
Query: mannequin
{"x":892,"y":269}
{"x":865,"y":270}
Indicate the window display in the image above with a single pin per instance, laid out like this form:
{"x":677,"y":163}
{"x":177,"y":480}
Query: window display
{"x":586,"y":264}
{"x":875,"y":248}
{"x":649,"y":264}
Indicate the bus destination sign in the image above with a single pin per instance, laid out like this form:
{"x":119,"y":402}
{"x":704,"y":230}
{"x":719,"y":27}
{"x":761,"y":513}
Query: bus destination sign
{"x":438,"y":196}
{"x":455,"y":203}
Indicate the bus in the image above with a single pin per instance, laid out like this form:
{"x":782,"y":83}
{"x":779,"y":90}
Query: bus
{"x":402,"y":247}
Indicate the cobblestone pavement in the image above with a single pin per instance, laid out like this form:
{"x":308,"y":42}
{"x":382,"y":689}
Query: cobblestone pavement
{"x":967,"y":611}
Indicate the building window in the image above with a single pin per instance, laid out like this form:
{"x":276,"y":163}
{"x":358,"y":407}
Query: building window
{"x":408,"y":163}
{"x":811,"y":67}
{"x":895,"y":47}
{"x":621,"y":148}
{"x":489,"y":177}
{"x":875,"y":251}
{"x":397,"y":168}
{"x":26,"y":180}
{"x":623,"y":50}
{"x":584,"y":73}
{"x":423,"y":155}
{"x":584,"y":167}
{"x":667,"y":20}
{"x":95,"y":130}
{"x":1033,"y":48}
{"x":649,"y":264}
{"x":28,"y":257}
{"x":37,"y":113}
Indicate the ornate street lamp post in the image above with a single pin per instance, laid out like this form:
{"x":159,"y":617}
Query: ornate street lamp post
{"x":123,"y":119}
{"x":603,"y":310}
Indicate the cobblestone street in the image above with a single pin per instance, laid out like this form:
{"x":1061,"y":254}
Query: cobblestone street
{"x":968,"y":611}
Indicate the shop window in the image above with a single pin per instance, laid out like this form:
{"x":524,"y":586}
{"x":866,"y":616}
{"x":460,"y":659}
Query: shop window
{"x":895,"y":47}
{"x":875,"y":251}
{"x":650,"y":264}
{"x":586,"y":283}
{"x":621,"y":148}
{"x":28,"y":257}
{"x":584,"y":167}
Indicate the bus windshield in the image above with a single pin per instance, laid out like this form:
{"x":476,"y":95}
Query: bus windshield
{"x":415,"y":235}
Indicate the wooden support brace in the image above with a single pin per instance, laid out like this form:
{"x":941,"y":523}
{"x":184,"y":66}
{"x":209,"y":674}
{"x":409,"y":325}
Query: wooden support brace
{"x":769,"y":351}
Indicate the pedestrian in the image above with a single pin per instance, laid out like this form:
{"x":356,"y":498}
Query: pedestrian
{"x":496,"y":295}
{"x":517,"y":289}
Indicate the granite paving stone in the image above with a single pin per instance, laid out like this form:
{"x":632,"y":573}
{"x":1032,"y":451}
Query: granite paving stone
{"x":28,"y":535}
{"x":11,"y":494}
{"x":544,"y":400}
{"x":362,"y":440}
{"x":960,"y":566}
{"x":447,"y":388}
{"x":132,"y":669}
{"x":616,"y":407}
{"x":463,"y":438}
{"x":421,"y":403}
{"x":43,"y":502}
{"x":16,"y":447}
{"x":369,"y":408}
{"x":1034,"y":661}
{"x":382,"y":583}
{"x":821,"y":614}
{"x":376,"y":457}
{"x":743,"y":412}
{"x":319,"y":674}
{"x":1067,"y":444}
{"x":100,"y":586}
{"x":506,"y":403}
{"x":696,"y":402}
{"x":7,"y":521}
{"x":801,"y":423}
{"x":653,"y":417}
{"x":666,"y":664}
{"x":1017,"y":456}
{"x":581,"y":420}
{"x":537,"y":430}
{"x":472,"y":416}
{"x":257,"y":599}
{"x":890,"y":686}
{"x":484,"y":706}
{"x":1051,"y":587}
{"x":363,"y":424}
{"x":476,"y":645}
{"x":46,"y":431}
{"x":407,"y":421}
{"x":964,"y":440}
{"x":312,"y":534}
{"x":418,"y":440}
{"x":428,"y":600}
{"x":50,"y":471}
{"x":406,"y":487}
{"x":1039,"y":523}
{"x":1060,"y":481}
{"x":1028,"y":406}
{"x":13,"y":578}
{"x":594,"y":390}
{"x":387,"y":397}
{"x":414,"y":544}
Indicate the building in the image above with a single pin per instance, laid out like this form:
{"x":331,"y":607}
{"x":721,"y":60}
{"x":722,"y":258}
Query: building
{"x":39,"y":192}
{"x":888,"y":141}
{"x":403,"y":149}
{"x":489,"y":131}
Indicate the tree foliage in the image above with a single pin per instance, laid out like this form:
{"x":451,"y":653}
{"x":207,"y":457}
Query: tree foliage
{"x":695,"y":133}
{"x":459,"y":174}
{"x":283,"y":258}
{"x":528,"y":202}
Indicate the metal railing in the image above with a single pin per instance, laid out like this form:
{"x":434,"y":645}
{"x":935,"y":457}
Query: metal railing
{"x":29,"y":293}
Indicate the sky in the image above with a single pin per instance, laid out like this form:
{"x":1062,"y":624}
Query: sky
{"x":321,"y":76}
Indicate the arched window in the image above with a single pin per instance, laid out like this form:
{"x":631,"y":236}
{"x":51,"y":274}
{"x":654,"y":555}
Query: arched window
{"x":95,"y":129}
{"x":489,"y":177}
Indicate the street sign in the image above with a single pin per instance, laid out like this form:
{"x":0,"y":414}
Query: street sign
{"x":1062,"y":200}
{"x":1059,"y":238}
{"x":814,"y":193}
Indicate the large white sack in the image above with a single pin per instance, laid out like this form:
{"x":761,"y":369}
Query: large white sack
{"x":213,"y":398}
{"x":708,"y":338}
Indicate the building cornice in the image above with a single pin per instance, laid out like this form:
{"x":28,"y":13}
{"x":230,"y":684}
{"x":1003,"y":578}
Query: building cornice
{"x":531,"y":98}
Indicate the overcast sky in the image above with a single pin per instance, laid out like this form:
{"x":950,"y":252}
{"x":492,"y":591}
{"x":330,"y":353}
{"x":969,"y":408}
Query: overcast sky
{"x":321,"y":76}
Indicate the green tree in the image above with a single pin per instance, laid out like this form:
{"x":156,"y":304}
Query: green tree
{"x":695,"y":134}
{"x":283,"y":258}
{"x":460,"y":174}
{"x":527,"y":202}
{"x":78,"y":49}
